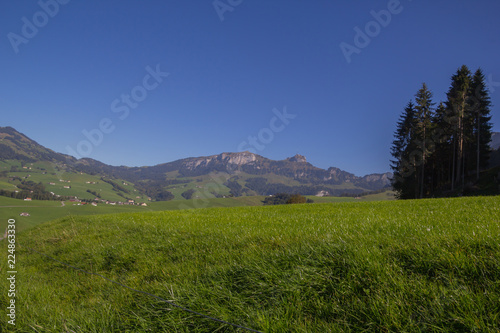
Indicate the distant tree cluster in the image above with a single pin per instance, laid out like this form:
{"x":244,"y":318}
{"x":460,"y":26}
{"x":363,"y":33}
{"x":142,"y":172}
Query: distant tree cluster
{"x":33,"y":187}
{"x":94,"y":193}
{"x":436,"y":149}
{"x":285,"y":198}
{"x":8,"y":153}
{"x":235,"y":189}
{"x":30,"y":189}
{"x":163,"y":195}
{"x":154,"y":190}
{"x":116,"y":187}
{"x":188,"y":194}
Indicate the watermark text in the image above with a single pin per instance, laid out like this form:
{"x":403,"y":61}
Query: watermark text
{"x":11,"y":264}
{"x":40,"y":19}
{"x":223,"y":6}
{"x":363,"y":37}
{"x":122,"y":107}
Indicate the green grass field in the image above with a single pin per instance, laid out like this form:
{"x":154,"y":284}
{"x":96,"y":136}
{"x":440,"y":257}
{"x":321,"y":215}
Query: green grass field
{"x":391,"y":266}
{"x":44,"y":211}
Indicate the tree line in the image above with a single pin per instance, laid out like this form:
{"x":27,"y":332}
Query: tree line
{"x":30,"y":189}
{"x":437,"y":150}
{"x":286,"y":199}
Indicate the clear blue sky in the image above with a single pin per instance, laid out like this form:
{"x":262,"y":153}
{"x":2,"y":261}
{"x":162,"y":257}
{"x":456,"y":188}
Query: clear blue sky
{"x":226,"y":76}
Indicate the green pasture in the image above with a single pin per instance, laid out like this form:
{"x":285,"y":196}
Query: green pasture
{"x":388,"y":266}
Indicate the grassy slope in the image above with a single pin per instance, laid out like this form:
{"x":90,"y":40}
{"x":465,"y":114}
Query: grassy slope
{"x":44,"y":211}
{"x":428,"y":265}
{"x":46,"y":172}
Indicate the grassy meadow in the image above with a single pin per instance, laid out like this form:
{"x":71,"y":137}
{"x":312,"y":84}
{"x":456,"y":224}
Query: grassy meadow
{"x":389,"y":266}
{"x":43,"y":211}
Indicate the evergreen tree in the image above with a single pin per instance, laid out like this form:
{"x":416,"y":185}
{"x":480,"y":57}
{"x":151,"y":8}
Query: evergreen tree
{"x":442,"y":159}
{"x":424,"y":115}
{"x":457,"y":105}
{"x":480,"y":110}
{"x":435,"y":150}
{"x":404,"y":164}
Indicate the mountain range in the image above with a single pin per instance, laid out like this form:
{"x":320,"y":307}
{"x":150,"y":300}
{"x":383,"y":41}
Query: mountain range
{"x":233,"y":174}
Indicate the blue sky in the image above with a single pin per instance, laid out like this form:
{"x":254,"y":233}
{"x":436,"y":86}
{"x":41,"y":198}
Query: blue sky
{"x":90,"y":66}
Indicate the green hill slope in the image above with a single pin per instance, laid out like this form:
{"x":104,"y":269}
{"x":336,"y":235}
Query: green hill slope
{"x":427,"y":265}
{"x":41,"y":211}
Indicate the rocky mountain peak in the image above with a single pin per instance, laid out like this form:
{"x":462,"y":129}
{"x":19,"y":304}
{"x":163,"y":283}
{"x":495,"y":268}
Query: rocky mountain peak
{"x":297,"y":158}
{"x":239,"y":158}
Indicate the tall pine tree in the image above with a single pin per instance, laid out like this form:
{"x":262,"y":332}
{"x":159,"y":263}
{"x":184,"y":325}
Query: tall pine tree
{"x":457,"y":105}
{"x":424,"y":115}
{"x":442,"y":135}
{"x":480,"y":104}
{"x":404,"y":165}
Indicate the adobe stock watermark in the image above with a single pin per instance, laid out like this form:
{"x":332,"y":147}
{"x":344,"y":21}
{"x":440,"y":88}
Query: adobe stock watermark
{"x":30,"y":28}
{"x":122,"y":107}
{"x":11,"y":271}
{"x":223,"y":6}
{"x":265,"y":136}
{"x":363,"y":37}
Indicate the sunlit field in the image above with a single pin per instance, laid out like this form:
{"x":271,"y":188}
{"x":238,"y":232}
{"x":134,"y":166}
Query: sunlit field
{"x":393,"y":266}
